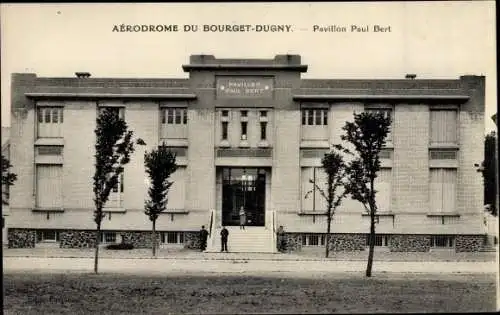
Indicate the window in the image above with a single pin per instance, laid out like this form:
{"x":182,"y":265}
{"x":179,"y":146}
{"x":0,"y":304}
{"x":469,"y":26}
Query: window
{"x":244,"y":135}
{"x":115,"y":198}
{"x":108,"y":237}
{"x":442,"y":241}
{"x":47,"y":236}
{"x":387,"y":113}
{"x":117,"y":110}
{"x":443,"y":127}
{"x":263,"y":127}
{"x":224,"y":130}
{"x":383,"y":187}
{"x":313,"y":240}
{"x":263,"y":113}
{"x":225,"y":113}
{"x":315,"y":117}
{"x":50,"y":120}
{"x":380,"y":240}
{"x":177,"y":192}
{"x":174,"y":116}
{"x":442,"y":189}
{"x":173,"y":123}
{"x":49,"y":186}
{"x":172,"y":238}
{"x":120,"y":185}
{"x":244,"y":113}
{"x":314,"y":200}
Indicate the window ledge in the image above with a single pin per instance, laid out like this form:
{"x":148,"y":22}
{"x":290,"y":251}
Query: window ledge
{"x":263,"y":144}
{"x":380,"y":214}
{"x":388,"y":145}
{"x":49,"y":141}
{"x":176,"y":211}
{"x":314,"y":144}
{"x":449,"y":214}
{"x":47,"y":209}
{"x":244,"y":144}
{"x":179,"y":142}
{"x":114,"y":210}
{"x":312,"y":213}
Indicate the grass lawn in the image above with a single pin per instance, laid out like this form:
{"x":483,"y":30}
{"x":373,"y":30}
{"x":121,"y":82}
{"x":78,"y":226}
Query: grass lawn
{"x":215,"y":294}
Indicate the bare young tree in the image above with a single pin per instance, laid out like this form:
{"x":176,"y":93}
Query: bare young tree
{"x":335,"y":169}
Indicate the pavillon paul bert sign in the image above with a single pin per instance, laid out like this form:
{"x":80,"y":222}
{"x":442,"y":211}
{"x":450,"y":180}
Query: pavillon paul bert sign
{"x":259,"y":87}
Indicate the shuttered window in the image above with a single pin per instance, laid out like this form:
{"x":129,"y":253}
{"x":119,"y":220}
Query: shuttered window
{"x":49,"y":186}
{"x":383,"y":187}
{"x":443,"y":190}
{"x":177,"y":192}
{"x":115,"y":199}
{"x":314,"y":201}
{"x":443,"y":127}
{"x":117,"y":110}
{"x":388,"y":114}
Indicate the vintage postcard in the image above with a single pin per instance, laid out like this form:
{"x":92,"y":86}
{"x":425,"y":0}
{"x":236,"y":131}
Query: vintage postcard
{"x":229,"y":158}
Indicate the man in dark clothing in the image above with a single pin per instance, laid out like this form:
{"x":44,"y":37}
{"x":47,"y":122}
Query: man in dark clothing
{"x":281,"y":239}
{"x":223,"y":237}
{"x":203,"y":238}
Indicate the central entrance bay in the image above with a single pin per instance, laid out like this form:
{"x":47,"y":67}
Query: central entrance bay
{"x":243,"y":187}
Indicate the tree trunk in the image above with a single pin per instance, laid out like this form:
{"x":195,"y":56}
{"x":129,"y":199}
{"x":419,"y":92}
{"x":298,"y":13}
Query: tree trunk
{"x":97,"y":242}
{"x":328,"y":228}
{"x":154,"y":238}
{"x":372,"y":245}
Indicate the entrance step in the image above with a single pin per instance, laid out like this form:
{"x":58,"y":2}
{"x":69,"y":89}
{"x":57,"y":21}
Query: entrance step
{"x":250,"y":240}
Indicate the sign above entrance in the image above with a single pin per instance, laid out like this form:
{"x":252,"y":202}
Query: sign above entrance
{"x":238,"y":87}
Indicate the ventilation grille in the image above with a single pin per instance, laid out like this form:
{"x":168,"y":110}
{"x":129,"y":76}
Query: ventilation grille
{"x":244,"y":152}
{"x":313,"y":153}
{"x":50,"y":150}
{"x":443,"y":154}
{"x":385,"y":154}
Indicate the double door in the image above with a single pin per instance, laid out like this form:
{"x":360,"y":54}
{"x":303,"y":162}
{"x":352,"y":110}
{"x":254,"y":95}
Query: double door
{"x":243,"y":188}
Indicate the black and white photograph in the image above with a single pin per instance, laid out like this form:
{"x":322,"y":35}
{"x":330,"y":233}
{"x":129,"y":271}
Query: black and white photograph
{"x":249,"y":158}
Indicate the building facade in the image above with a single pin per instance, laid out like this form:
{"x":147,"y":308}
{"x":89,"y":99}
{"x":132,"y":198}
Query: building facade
{"x":248,"y":133}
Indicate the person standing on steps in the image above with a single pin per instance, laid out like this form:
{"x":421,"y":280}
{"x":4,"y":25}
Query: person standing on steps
{"x":243,"y":218}
{"x":203,"y":238}
{"x":223,"y":237}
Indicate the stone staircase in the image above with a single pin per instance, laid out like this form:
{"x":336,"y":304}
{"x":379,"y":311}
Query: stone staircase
{"x":489,"y":248}
{"x":253,"y":239}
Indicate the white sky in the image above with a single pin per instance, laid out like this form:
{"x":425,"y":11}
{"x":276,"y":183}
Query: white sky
{"x":431,"y":39}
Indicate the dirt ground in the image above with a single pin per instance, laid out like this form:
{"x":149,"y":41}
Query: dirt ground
{"x":107,"y":293}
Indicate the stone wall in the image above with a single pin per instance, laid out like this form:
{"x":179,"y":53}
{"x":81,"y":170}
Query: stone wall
{"x":192,"y":240}
{"x":77,"y":239}
{"x":140,"y":239}
{"x":410,"y":243}
{"x":469,"y":243}
{"x":293,"y":242}
{"x":21,"y":238}
{"x":347,"y":242}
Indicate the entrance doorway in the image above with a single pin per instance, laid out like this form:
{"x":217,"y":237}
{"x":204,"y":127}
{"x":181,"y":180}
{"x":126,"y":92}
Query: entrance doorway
{"x":243,"y":187}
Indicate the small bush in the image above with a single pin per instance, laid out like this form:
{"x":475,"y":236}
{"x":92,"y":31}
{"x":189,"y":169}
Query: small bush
{"x":123,"y":246}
